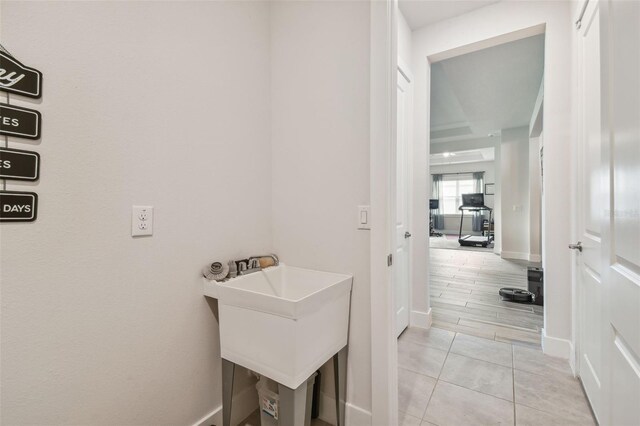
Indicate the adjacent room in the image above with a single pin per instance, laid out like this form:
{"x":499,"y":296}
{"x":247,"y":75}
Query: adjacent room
{"x":485,"y":235}
{"x":474,"y":354}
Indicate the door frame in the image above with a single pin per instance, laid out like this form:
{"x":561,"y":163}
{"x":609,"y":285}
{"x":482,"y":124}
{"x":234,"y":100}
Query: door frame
{"x":382,"y":125}
{"x":480,"y":43}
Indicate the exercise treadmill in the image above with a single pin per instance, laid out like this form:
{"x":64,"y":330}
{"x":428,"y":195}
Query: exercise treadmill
{"x":474,"y":203}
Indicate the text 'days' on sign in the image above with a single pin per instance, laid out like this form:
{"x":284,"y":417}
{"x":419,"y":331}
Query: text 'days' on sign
{"x":17,"y":164}
{"x":19,"y":79}
{"x":19,"y":122}
{"x":18,"y":206}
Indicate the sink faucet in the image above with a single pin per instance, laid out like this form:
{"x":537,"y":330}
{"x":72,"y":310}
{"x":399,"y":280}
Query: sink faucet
{"x":266,"y":261}
{"x":255,"y":264}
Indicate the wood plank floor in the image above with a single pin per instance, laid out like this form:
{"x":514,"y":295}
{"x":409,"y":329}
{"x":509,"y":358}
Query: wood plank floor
{"x":464,"y":296}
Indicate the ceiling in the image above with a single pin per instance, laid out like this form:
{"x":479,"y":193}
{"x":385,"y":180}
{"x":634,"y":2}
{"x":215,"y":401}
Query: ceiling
{"x":420,"y":13}
{"x":460,"y":157}
{"x":479,"y":93}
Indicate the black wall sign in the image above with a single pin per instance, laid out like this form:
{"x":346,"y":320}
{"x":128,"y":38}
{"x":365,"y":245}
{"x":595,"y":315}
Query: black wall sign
{"x":19,"y":79}
{"x":19,"y":122}
{"x":17,"y":164}
{"x":18,"y":206}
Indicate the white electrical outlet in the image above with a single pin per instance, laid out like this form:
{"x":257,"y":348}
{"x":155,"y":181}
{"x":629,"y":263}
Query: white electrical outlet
{"x":141,"y":221}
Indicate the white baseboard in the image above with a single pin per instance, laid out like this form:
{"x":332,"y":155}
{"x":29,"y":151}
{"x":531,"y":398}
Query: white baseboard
{"x":557,"y":347}
{"x":572,"y":360}
{"x":521,"y":256}
{"x":420,"y":319}
{"x":514,"y":255}
{"x":245,"y":402}
{"x":354,"y":415}
{"x":535,"y":258}
{"x":211,"y":418}
{"x":327,"y":408}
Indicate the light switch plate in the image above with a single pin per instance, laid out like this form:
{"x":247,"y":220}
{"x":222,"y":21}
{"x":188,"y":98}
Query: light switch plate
{"x":364,"y":217}
{"x":141,"y":221}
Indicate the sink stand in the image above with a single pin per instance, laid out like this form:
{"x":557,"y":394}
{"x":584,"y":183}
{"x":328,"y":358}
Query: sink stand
{"x":295,"y":404}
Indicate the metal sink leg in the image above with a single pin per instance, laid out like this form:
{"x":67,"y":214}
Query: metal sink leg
{"x":228,"y":370}
{"x":340,"y":379}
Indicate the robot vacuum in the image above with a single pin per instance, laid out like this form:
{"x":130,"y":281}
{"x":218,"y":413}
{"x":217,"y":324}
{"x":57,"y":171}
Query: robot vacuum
{"x":516,"y":295}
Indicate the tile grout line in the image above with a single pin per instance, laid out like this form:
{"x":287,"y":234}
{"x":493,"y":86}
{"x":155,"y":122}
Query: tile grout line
{"x":553,"y":413}
{"x":417,"y":372}
{"x":438,"y":378}
{"x":475,"y":390}
{"x":483,"y":360}
{"x":513,"y":382}
{"x":542,"y":374}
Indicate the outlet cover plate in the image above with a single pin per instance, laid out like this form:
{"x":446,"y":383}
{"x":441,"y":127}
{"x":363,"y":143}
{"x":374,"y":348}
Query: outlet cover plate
{"x":141,"y":221}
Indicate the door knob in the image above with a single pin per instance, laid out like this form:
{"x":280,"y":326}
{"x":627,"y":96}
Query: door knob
{"x":577,"y":246}
{"x":407,"y":234}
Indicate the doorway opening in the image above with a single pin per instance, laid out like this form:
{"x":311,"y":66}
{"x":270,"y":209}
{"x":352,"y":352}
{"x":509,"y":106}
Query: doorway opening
{"x":429,"y":43}
{"x":485,"y":190}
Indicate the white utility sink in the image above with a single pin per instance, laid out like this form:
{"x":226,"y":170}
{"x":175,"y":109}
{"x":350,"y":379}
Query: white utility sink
{"x":283,"y":322}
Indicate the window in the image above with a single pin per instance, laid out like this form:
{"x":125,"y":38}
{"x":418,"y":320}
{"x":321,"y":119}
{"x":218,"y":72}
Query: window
{"x":453,"y":186}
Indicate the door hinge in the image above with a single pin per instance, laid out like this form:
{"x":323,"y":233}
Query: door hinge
{"x":390,"y":260}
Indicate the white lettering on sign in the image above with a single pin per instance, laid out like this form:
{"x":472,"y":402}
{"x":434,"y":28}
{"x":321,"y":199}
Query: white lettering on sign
{"x":5,"y":164}
{"x":16,"y":208}
{"x":8,"y":121}
{"x":8,"y":79}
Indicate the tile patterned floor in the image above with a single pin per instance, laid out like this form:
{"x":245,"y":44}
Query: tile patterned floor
{"x":464,"y":296}
{"x":254,"y":420}
{"x":451,"y":378}
{"x":481,"y":363}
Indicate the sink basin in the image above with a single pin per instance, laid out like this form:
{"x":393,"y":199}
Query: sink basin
{"x":283,"y":322}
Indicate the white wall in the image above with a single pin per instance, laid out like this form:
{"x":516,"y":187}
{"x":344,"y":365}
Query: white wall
{"x":494,"y":21}
{"x":514,"y":192}
{"x":404,"y":40}
{"x":452,"y":222}
{"x":535,"y":199}
{"x":158,"y":103}
{"x":320,"y":140}
{"x":178,"y":113}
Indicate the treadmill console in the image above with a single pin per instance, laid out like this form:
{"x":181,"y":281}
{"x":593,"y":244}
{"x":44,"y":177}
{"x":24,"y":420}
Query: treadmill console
{"x":473,"y":200}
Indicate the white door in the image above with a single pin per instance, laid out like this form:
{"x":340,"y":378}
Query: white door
{"x":401,"y":255}
{"x":621,"y":242}
{"x":609,"y":264}
{"x":590,"y":212}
